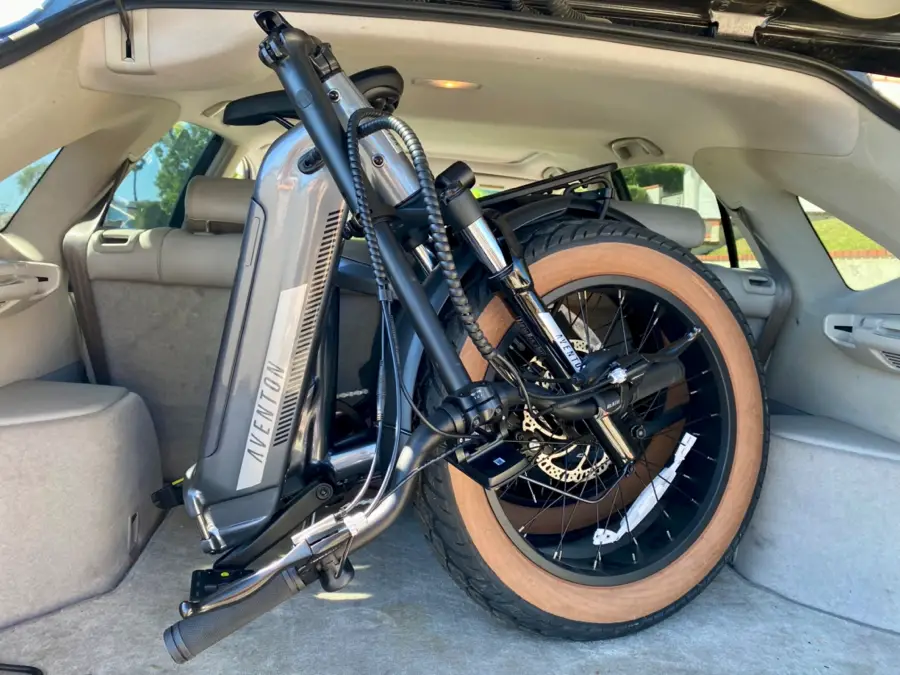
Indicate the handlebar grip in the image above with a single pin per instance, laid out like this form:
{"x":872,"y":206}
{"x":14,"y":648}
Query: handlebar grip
{"x":191,"y":636}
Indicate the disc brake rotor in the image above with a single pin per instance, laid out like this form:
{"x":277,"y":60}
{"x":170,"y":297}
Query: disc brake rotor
{"x":557,"y":465}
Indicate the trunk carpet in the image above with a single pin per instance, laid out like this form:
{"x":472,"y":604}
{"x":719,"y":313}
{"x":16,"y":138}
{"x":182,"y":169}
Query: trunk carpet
{"x":402,"y":614}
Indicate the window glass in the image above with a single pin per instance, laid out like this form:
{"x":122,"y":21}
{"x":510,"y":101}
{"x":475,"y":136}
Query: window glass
{"x":861,"y":262}
{"x":480,"y":192}
{"x":888,"y":87}
{"x":150,"y":193}
{"x":681,"y":185}
{"x":244,"y":170}
{"x":14,"y":189}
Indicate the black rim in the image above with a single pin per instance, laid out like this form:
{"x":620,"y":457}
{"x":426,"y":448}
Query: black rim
{"x":589,"y":497}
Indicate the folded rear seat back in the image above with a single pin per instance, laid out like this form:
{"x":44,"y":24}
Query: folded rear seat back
{"x":160,"y":298}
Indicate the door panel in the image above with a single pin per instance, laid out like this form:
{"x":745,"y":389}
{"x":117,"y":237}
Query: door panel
{"x":834,"y":359}
{"x":37,"y":324}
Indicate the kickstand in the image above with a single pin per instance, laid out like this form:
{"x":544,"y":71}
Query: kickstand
{"x":21,"y":670}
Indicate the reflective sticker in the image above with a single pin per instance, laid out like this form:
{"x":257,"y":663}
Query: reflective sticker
{"x":271,"y":386}
{"x":560,"y":339}
{"x":648,"y":498}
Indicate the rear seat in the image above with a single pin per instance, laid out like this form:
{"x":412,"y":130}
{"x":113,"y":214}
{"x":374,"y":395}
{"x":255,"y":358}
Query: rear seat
{"x":161,"y":297}
{"x":754,"y":290}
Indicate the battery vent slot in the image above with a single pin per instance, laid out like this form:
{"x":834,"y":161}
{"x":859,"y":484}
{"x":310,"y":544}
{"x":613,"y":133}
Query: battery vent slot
{"x":307,"y":330}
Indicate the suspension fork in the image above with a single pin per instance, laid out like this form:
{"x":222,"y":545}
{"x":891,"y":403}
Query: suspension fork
{"x":464,"y":214}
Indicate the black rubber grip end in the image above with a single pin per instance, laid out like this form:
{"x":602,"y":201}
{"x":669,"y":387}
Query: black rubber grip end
{"x":191,"y":636}
{"x":175,"y":645}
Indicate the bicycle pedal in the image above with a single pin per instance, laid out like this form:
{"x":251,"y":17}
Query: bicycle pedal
{"x":494,"y":468}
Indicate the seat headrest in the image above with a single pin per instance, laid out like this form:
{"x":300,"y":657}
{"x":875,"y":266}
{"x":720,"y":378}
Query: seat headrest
{"x":217,"y":205}
{"x":682,"y":225}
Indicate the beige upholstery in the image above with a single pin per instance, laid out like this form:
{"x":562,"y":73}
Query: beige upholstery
{"x":80,"y":463}
{"x":203,"y":253}
{"x":161,"y":298}
{"x":681,"y":225}
{"x":164,"y":256}
{"x":33,"y":401}
{"x":217,"y":205}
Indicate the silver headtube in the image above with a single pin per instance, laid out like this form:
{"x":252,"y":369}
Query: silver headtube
{"x":392,"y":174}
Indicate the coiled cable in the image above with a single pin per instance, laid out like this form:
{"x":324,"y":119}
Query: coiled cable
{"x":520,"y":6}
{"x":563,"y":10}
{"x":364,"y":216}
{"x":358,"y":128}
{"x":436,"y":227}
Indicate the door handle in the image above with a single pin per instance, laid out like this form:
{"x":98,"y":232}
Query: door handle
{"x":24,"y":282}
{"x":872,"y":339}
{"x":17,"y":288}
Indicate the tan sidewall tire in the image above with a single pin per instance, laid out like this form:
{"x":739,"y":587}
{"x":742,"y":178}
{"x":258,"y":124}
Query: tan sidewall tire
{"x":639,"y":599}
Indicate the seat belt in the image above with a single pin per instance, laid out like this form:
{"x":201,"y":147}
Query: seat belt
{"x":75,"y":254}
{"x":783,"y":293}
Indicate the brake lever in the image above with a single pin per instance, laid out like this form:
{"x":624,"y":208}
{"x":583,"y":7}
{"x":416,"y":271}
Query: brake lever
{"x":628,"y":374}
{"x":674,"y":349}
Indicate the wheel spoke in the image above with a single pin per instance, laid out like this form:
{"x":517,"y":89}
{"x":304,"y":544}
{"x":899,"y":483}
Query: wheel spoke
{"x":606,"y":524}
{"x":568,"y":522}
{"x":686,"y":381}
{"x":640,"y":514}
{"x":651,"y":483}
{"x":550,"y":505}
{"x":651,"y":324}
{"x":670,"y":483}
{"x":612,"y":324}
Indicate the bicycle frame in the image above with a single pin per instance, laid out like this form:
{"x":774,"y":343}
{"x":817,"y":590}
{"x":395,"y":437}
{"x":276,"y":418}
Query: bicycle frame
{"x":268,"y":413}
{"x":285,"y":277}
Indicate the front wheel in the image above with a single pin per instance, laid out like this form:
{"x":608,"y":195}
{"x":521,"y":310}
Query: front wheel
{"x":578,"y":546}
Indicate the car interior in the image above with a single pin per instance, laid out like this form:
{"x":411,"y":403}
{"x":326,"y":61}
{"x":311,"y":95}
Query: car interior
{"x":110,"y":326}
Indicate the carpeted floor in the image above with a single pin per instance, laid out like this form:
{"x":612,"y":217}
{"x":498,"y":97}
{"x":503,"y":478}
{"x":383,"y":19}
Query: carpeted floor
{"x":402,"y":614}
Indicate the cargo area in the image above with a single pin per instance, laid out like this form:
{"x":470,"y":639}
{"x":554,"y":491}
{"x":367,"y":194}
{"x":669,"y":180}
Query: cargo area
{"x":414,"y":621}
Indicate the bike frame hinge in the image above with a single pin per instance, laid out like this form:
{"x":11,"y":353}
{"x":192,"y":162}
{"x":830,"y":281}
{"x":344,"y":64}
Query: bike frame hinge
{"x":324,"y":62}
{"x":739,"y":20}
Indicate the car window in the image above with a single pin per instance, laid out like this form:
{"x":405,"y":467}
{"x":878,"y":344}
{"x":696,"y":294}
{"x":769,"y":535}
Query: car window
{"x":245,"y":170}
{"x":861,"y":262}
{"x":681,"y":185}
{"x":150,"y":194}
{"x":485,"y":191}
{"x":14,"y":189}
